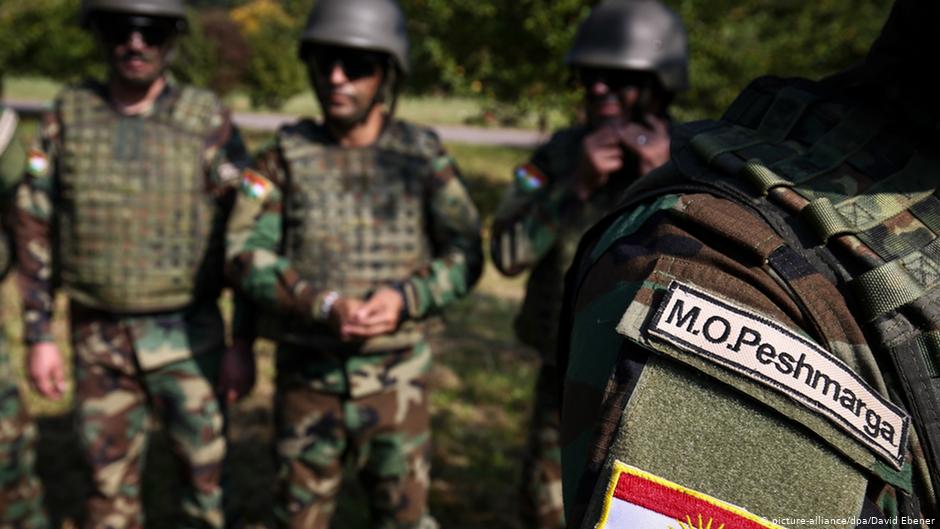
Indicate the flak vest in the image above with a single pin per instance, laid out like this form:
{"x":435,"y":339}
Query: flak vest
{"x":134,"y":213}
{"x":855,"y":198}
{"x":355,"y":219}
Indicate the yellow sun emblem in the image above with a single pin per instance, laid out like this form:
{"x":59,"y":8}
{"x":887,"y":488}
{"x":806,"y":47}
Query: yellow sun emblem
{"x":689,"y":524}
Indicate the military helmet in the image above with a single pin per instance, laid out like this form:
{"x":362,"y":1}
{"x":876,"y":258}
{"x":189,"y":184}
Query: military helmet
{"x":634,"y":35}
{"x":377,"y":25}
{"x":146,"y":8}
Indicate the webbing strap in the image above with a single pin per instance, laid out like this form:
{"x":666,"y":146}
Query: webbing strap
{"x":889,"y":197}
{"x":762,"y":177}
{"x":785,"y":111}
{"x":833,"y":148}
{"x":929,"y":346}
{"x":898,"y":282}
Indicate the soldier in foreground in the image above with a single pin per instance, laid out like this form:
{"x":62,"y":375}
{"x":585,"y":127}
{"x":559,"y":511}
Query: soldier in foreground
{"x":350,"y":234}
{"x":125,"y":206}
{"x":574,"y":180}
{"x":754,"y":335}
{"x":20,"y":490}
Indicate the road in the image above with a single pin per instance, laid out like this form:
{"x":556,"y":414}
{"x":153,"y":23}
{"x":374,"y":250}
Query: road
{"x":270,"y":122}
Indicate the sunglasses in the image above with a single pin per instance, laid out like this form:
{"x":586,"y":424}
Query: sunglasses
{"x":614,"y":79}
{"x":116,"y":29}
{"x":356,"y":64}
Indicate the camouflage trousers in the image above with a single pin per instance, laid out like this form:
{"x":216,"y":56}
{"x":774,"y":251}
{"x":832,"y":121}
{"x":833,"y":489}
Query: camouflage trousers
{"x":387,"y":434}
{"x":542,"y":505}
{"x":20,"y":489}
{"x":116,"y":403}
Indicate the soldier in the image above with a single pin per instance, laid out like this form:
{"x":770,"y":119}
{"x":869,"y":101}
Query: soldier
{"x":125,"y":206}
{"x":570,"y":183}
{"x":20,"y":490}
{"x":754,"y":334}
{"x":350,"y":234}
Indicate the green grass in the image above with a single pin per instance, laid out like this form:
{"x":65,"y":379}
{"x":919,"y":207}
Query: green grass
{"x":482,"y":385}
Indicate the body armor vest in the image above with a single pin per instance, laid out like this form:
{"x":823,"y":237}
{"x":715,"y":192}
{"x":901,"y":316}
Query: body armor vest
{"x":855,"y":199}
{"x":355,"y":218}
{"x":133,"y":209}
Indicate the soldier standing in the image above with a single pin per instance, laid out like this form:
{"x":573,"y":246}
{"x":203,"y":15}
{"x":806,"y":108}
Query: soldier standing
{"x":754,"y":335}
{"x":125,"y":208}
{"x":20,"y":490}
{"x":350,"y":234}
{"x":631,"y":58}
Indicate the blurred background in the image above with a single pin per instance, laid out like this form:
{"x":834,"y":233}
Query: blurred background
{"x":493,"y":71}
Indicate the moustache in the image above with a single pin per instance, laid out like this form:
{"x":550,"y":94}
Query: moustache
{"x":131,"y":55}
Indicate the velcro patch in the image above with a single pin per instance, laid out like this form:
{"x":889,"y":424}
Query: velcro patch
{"x":638,"y":499}
{"x":766,"y":351}
{"x":254,"y":185}
{"x":37,"y":163}
{"x":530,"y":177}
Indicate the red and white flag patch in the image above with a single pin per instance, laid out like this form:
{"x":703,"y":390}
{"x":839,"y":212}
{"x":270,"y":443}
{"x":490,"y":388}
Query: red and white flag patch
{"x":640,"y":500}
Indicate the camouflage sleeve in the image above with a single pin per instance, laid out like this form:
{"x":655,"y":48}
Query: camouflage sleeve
{"x":33,"y":214}
{"x":526,"y":222}
{"x":253,"y":240}
{"x":224,"y":155}
{"x":454,"y":225}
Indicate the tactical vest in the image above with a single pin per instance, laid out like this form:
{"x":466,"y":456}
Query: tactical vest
{"x":854,"y":197}
{"x":355,"y":218}
{"x":537,"y":322}
{"x":133,"y":209}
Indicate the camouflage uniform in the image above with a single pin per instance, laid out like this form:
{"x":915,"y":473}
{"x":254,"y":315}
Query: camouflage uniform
{"x":20,"y":490}
{"x":318,"y":217}
{"x":538,"y":226}
{"x":756,"y":326}
{"x":127,"y":214}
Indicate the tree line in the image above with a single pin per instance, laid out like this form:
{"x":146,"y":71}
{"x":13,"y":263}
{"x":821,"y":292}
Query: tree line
{"x":507,"y":53}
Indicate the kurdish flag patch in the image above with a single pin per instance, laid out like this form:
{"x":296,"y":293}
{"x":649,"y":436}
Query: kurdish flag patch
{"x":639,"y":500}
{"x":530,"y":177}
{"x":254,"y":185}
{"x":37,"y":163}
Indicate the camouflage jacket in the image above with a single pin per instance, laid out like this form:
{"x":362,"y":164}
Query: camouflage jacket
{"x":719,"y":350}
{"x":257,"y":260}
{"x":538,"y":225}
{"x":160,"y":336}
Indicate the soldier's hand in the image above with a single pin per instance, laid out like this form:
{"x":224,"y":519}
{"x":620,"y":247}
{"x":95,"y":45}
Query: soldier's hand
{"x":601,"y":155}
{"x":341,"y":313}
{"x":237,"y":373}
{"x":46,"y":371}
{"x":379,"y":315}
{"x":650,"y":143}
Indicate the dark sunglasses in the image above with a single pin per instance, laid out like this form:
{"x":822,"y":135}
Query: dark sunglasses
{"x":356,"y":64}
{"x":116,"y":29}
{"x":614,"y":79}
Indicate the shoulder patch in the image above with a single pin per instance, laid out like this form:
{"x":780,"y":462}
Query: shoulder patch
{"x":638,"y":499}
{"x":38,"y":163}
{"x":529,"y":177}
{"x":254,"y":185}
{"x":770,"y":353}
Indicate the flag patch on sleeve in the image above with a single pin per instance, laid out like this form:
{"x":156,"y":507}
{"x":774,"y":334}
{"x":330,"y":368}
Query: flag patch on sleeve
{"x":38,"y":163}
{"x":768,"y":352}
{"x":254,"y":185}
{"x":530,"y":177}
{"x":639,"y":500}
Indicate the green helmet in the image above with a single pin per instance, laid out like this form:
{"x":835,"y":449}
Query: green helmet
{"x":377,"y":25}
{"x":144,"y":8}
{"x":640,"y":35}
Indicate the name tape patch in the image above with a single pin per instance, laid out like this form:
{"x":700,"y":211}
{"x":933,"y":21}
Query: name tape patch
{"x":768,"y":352}
{"x":638,"y":499}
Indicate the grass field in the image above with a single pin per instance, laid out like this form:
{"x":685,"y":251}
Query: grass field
{"x":480,"y":403}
